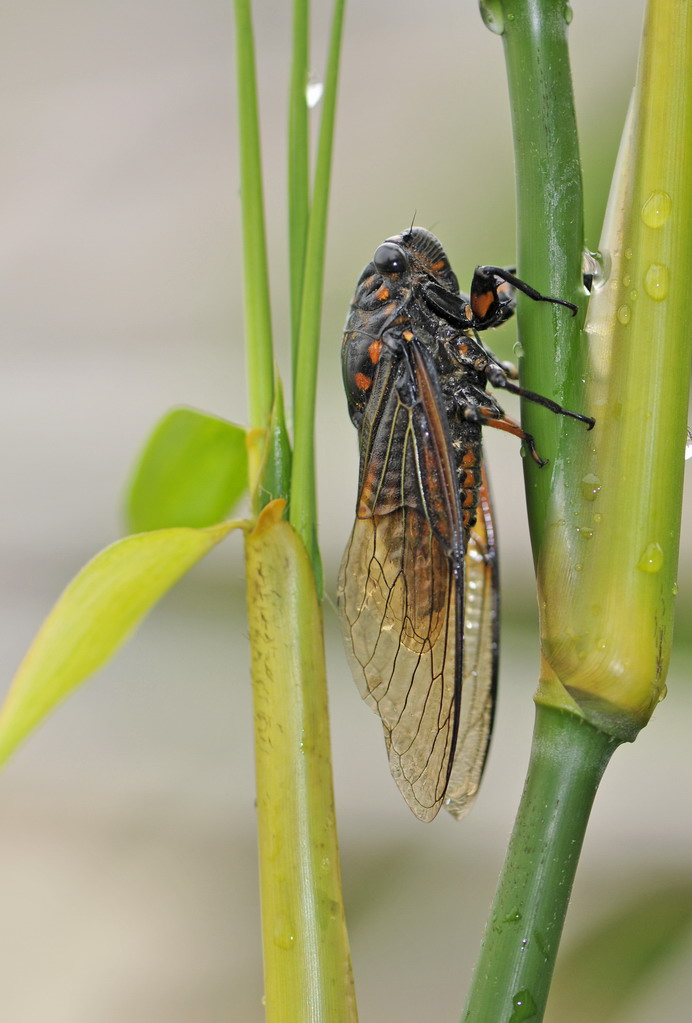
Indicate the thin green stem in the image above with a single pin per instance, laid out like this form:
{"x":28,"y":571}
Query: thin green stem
{"x":513,"y":974}
{"x":303,"y":500}
{"x":258,"y":331}
{"x":549,"y":230}
{"x":298,"y":165}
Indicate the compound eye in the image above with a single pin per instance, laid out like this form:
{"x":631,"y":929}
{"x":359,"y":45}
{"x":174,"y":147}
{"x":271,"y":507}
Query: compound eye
{"x":390,"y":259}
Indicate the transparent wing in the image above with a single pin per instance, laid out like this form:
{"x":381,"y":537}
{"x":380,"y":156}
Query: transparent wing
{"x":481,"y":647}
{"x":398,"y":605}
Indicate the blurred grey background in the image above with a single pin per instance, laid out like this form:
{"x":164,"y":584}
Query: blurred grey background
{"x":128,"y":878}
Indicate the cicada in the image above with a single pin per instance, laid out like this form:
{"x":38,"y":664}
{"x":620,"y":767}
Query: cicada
{"x":418,"y":584}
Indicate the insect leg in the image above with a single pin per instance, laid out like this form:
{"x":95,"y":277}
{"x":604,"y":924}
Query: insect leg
{"x":492,"y":415}
{"x":453,"y":308}
{"x":491,"y":307}
{"x":497,"y":378}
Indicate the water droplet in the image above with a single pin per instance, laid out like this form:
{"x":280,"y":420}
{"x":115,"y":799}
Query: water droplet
{"x":313,"y":92}
{"x":523,"y":1007}
{"x":568,"y":14}
{"x":578,"y":567}
{"x":493,"y":15}
{"x":518,"y":350}
{"x":596,"y":268}
{"x":663,"y":693}
{"x":634,"y":295}
{"x":283,"y":934}
{"x":688,"y":444}
{"x":626,"y":280}
{"x":624,"y":313}
{"x":628,"y":253}
{"x":651,"y":559}
{"x":656,"y":209}
{"x":590,"y":487}
{"x":674,"y":589}
{"x":656,"y":281}
{"x":512,"y":917}
{"x":598,"y":517}
{"x":585,"y":532}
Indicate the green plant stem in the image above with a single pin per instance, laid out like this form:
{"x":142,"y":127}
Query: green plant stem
{"x":550,"y":233}
{"x":258,"y":331}
{"x":307,"y":968}
{"x":303,"y":501}
{"x":513,"y":974}
{"x":298,"y":166}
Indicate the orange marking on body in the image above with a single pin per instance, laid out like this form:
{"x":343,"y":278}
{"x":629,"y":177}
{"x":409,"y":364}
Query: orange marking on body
{"x":469,"y":458}
{"x":480,"y":303}
{"x":440,"y":265}
{"x":469,"y":480}
{"x":468,"y":312}
{"x":382,"y":293}
{"x":463,"y":348}
{"x":469,"y":500}
{"x":374,"y":351}
{"x":407,"y":335}
{"x":363,"y":383}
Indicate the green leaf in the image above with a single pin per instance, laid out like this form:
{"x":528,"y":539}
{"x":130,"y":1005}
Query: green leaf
{"x":192,"y":471}
{"x":298,"y":165}
{"x":95,"y":613}
{"x":302,"y":509}
{"x":258,"y":322}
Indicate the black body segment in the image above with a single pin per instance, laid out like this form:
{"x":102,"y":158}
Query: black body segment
{"x":418,"y":585}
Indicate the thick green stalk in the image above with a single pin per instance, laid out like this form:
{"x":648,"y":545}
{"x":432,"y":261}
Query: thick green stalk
{"x":258,"y":330}
{"x":307,"y":968}
{"x":303,"y":509}
{"x":550,"y":232}
{"x":513,"y":974}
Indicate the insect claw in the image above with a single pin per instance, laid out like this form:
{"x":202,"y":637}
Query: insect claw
{"x":531,"y":445}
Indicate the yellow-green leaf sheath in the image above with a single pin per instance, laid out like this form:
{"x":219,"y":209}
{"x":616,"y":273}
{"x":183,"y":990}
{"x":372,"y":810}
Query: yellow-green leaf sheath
{"x":608,"y":561}
{"x":307,"y":968}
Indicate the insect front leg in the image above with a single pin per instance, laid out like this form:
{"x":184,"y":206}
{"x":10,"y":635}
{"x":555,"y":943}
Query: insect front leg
{"x":493,"y":296}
